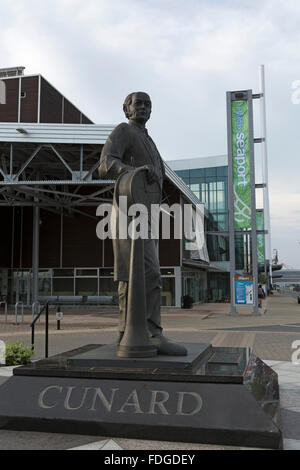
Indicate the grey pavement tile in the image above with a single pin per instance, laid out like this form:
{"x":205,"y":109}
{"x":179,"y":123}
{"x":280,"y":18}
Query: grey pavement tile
{"x":291,"y":444}
{"x":22,"y":440}
{"x":295,"y":409}
{"x":289,"y":398}
{"x":136,"y":444}
{"x":288,"y":366}
{"x":290,"y":424}
{"x":100,"y":445}
{"x":287,"y":379}
{"x":289,"y":387}
{"x":272,"y":363}
{"x":111,"y":445}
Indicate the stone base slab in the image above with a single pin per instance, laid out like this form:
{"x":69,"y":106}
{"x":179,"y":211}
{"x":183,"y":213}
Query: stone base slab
{"x":232,"y":398}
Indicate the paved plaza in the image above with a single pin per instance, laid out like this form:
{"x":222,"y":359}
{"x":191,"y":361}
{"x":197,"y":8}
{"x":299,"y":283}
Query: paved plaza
{"x":271,"y":335}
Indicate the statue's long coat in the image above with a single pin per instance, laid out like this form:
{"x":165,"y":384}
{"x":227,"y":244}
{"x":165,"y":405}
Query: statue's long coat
{"x":127,"y":147}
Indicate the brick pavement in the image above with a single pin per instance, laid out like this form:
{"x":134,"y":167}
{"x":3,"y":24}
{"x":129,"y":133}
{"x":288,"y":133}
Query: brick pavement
{"x":205,"y":323}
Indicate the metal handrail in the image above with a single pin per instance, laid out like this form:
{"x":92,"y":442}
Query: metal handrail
{"x":33,"y":308}
{"x":45,"y":308}
{"x":16,"y":312}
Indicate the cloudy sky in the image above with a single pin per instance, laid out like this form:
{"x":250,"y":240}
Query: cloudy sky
{"x":186,"y":54}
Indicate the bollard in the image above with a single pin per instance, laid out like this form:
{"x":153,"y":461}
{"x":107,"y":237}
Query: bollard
{"x":16,"y":312}
{"x":59,"y":317}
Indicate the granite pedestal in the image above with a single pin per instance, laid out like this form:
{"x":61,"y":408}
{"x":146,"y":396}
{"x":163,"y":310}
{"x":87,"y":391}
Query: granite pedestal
{"x":224,"y":396}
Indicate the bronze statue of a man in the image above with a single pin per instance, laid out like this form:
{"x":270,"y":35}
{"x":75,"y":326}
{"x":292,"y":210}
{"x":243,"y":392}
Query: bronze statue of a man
{"x":127,"y":148}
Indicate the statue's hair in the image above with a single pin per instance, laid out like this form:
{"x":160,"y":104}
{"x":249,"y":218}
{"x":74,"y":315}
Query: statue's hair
{"x":128,"y":101}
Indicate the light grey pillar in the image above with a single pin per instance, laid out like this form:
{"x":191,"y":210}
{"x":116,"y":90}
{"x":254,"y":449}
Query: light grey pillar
{"x":253,"y":205}
{"x":178,"y":286}
{"x":265,"y":171}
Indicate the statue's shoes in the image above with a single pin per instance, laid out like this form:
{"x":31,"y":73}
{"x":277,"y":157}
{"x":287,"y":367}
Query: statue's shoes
{"x":120,"y":336}
{"x":166,"y":347}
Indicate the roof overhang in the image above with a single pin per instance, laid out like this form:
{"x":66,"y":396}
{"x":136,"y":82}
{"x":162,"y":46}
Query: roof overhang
{"x":88,"y":134}
{"x":55,"y":133}
{"x":203,"y":265}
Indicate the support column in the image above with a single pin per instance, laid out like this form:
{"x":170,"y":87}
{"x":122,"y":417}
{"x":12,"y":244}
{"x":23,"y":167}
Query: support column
{"x":265,"y":171}
{"x":178,"y":286}
{"x":253,"y":206}
{"x":35,"y":253}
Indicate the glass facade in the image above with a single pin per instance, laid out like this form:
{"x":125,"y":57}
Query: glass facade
{"x":194,"y":285}
{"x":210,"y":185}
{"x":15,"y":285}
{"x":218,"y":287}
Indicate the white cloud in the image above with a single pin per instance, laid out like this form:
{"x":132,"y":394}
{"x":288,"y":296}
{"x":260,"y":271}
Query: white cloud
{"x":185,"y":54}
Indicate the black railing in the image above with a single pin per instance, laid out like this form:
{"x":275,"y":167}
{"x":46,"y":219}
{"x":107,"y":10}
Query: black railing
{"x":46,"y":310}
{"x":64,"y":300}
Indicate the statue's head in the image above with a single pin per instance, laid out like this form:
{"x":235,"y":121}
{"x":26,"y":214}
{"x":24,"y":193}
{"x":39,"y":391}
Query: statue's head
{"x":137,"y":107}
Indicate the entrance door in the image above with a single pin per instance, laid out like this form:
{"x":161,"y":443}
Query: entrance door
{"x":23,"y":290}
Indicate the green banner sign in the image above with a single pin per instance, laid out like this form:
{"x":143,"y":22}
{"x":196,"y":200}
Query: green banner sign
{"x":260,"y":237}
{"x":241,"y":165}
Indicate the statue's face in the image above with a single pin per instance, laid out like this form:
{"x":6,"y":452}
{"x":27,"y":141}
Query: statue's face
{"x":140,"y":108}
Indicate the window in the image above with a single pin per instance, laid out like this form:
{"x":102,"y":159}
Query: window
{"x":221,"y":200}
{"x":197,"y":173}
{"x":211,"y":172}
{"x":108,"y":272}
{"x":63,"y":272}
{"x":108,"y":287}
{"x":194,"y":187}
{"x":222,"y":171}
{"x":86,"y":272}
{"x":167,"y":272}
{"x":168,"y":292}
{"x":183,"y":173}
{"x":63,"y":286}
{"x":86,"y":286}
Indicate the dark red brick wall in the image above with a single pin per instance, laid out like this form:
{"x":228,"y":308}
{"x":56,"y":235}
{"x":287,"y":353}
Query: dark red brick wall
{"x":9,"y":111}
{"x":29,"y":104}
{"x":51,"y":104}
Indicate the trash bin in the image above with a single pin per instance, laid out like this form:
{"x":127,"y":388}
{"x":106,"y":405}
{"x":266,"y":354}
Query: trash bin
{"x":188,"y":301}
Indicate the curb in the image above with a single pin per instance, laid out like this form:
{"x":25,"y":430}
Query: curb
{"x":7,"y":371}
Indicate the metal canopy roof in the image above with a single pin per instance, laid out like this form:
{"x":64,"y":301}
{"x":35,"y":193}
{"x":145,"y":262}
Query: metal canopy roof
{"x":58,"y":160}
{"x":54,"y":167}
{"x":55,"y":133}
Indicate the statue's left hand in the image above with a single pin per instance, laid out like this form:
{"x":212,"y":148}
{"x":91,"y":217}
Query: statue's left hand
{"x":150,"y":175}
